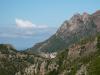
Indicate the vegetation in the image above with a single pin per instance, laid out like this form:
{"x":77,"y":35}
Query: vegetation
{"x":94,"y":67}
{"x":98,"y":42}
{"x":54,"y":72}
{"x":65,"y":65}
{"x":7,"y":48}
{"x":55,"y":43}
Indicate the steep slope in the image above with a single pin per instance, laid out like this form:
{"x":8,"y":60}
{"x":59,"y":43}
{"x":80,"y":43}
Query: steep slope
{"x":70,"y":32}
{"x":51,"y":45}
{"x":96,"y":19}
{"x":80,"y":59}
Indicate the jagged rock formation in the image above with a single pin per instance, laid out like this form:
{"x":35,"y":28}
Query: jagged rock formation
{"x":70,"y":32}
{"x":96,"y":19}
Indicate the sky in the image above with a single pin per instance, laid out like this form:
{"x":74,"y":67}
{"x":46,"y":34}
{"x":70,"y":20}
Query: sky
{"x":24,"y":23}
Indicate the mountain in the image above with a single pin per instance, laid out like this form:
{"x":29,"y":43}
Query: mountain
{"x":96,"y":19}
{"x":82,"y":58}
{"x":80,"y":26}
{"x":77,"y":46}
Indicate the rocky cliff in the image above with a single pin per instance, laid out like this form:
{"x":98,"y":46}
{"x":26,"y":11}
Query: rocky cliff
{"x":71,"y":31}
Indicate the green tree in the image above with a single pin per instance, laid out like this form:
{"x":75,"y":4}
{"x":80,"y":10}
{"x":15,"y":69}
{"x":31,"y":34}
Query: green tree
{"x":98,"y":42}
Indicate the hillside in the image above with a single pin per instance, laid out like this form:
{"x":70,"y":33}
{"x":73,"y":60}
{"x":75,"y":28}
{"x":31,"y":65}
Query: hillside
{"x":77,"y":47}
{"x":7,"y":48}
{"x":80,"y":59}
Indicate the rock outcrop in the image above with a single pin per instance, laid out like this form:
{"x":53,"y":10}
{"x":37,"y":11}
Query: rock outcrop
{"x":71,"y":31}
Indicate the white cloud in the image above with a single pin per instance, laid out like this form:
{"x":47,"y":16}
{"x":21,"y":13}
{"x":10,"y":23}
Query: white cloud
{"x":23,"y":29}
{"x":24,"y":24}
{"x":28,"y":24}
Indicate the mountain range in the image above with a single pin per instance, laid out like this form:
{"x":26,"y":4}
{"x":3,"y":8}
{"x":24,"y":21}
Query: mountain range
{"x":73,"y":50}
{"x":80,"y":26}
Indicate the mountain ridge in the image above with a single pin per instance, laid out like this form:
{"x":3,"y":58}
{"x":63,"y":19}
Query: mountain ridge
{"x":70,"y":32}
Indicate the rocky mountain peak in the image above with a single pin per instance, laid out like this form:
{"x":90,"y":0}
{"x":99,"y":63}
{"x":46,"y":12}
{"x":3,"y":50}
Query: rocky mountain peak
{"x":75,"y":17}
{"x":85,"y":17}
{"x":70,"y":25}
{"x":97,"y":13}
{"x":96,"y":19}
{"x":71,"y":31}
{"x":78,"y":23}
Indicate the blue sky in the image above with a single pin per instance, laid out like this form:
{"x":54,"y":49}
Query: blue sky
{"x":26,"y":22}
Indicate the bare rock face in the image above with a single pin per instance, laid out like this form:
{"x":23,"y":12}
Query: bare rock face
{"x":82,"y":50}
{"x":71,"y":31}
{"x":96,"y":19}
{"x":78,"y":24}
{"x":78,"y":27}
